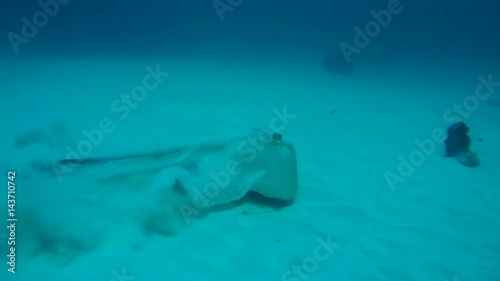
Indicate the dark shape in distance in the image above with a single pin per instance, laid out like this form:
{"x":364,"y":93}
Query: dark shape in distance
{"x":336,"y":63}
{"x":458,"y":145}
{"x":458,"y":140}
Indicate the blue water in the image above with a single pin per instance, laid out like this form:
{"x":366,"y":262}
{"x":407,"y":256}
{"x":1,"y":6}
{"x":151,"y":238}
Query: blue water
{"x":417,"y":28}
{"x":371,"y":88}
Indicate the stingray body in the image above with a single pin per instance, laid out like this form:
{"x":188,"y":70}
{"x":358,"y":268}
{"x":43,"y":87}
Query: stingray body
{"x":230,"y":169}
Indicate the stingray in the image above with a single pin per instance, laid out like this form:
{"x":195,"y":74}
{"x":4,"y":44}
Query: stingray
{"x":270,"y":170}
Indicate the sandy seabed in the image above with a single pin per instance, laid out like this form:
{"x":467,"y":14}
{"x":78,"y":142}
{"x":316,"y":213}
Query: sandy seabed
{"x":439,"y":221}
